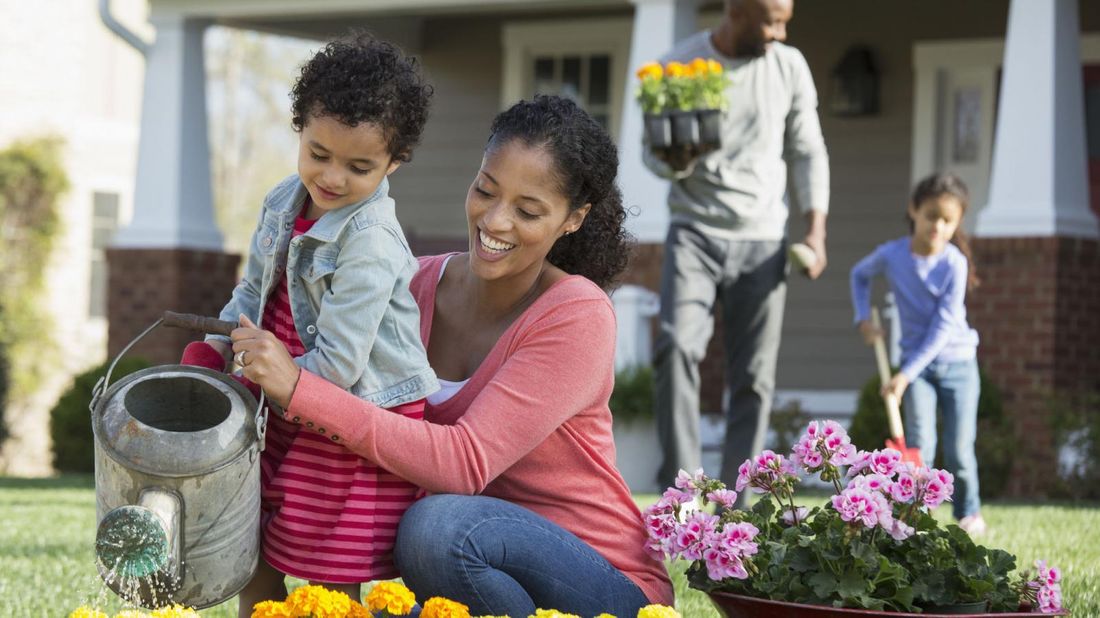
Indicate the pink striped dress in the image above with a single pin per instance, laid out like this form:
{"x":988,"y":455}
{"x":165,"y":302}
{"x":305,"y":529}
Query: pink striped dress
{"x":328,"y":515}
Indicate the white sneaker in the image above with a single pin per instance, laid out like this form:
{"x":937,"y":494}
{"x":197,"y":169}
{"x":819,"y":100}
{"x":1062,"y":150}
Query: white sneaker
{"x":973,"y":524}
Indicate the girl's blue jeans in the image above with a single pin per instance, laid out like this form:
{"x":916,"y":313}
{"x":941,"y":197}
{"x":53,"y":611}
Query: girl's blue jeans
{"x":954,"y":387}
{"x":502,"y":559}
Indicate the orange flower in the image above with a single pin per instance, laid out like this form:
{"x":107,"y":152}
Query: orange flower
{"x":676,"y":69}
{"x":438,"y":607}
{"x":714,"y":67}
{"x":395,"y":598}
{"x":319,"y":602}
{"x":358,"y":611}
{"x":650,"y":70}
{"x":699,"y":66}
{"x":271,"y":609}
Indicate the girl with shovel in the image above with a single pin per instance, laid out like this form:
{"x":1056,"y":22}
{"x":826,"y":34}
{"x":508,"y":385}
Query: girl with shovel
{"x":930,"y":270}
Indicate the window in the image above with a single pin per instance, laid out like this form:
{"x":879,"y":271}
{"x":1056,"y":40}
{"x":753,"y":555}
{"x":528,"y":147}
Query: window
{"x":583,"y":59}
{"x":104,"y":224}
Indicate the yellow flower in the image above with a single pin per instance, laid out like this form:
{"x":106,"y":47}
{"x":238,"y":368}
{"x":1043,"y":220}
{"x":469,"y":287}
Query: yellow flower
{"x":438,"y":607}
{"x":606,"y":615}
{"x":131,"y":613}
{"x":552,"y":613}
{"x":658,"y":611}
{"x":319,"y":602}
{"x":358,"y":611}
{"x":174,"y":611}
{"x":714,"y":67}
{"x":272,"y":609}
{"x":676,"y":69}
{"x":390,"y":596}
{"x":86,"y":612}
{"x":699,"y":66}
{"x":651,"y":70}
{"x":494,"y":617}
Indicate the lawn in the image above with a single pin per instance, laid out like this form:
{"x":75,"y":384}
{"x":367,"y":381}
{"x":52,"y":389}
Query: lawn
{"x":46,"y":564}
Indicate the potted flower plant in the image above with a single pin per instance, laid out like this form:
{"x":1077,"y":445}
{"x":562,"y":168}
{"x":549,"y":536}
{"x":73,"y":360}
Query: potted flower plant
{"x":871,"y":549}
{"x":683,"y":103}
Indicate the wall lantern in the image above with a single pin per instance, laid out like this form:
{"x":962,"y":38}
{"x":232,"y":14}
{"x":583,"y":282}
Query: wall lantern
{"x":853,"y":84}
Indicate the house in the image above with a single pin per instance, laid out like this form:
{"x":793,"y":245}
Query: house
{"x":950,"y":77}
{"x":66,"y":75}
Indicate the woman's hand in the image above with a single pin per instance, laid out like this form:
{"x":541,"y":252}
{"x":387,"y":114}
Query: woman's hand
{"x":265,"y":361}
{"x":896,"y":386}
{"x":869,"y":331}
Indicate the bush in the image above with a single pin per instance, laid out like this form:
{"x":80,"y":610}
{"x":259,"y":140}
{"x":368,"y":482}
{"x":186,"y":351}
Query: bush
{"x":71,"y":422}
{"x":1075,"y":421}
{"x":995,"y":446}
{"x":632,"y":399}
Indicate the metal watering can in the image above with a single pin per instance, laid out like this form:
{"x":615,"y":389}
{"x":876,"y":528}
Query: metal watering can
{"x":177,"y":480}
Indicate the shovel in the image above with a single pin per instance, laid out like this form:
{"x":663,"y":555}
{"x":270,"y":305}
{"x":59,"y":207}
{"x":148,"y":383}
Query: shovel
{"x":896,"y":440}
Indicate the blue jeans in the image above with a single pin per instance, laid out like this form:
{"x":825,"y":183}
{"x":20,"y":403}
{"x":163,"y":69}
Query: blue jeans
{"x":500,"y":558}
{"x":955,"y":388}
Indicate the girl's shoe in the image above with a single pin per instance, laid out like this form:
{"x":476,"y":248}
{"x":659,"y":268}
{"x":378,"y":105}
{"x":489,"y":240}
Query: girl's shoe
{"x":973,"y":524}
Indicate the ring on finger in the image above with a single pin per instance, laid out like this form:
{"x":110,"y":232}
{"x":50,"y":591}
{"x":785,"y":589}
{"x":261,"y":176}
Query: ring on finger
{"x":239,"y":358}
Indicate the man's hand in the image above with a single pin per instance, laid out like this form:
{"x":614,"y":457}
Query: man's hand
{"x":815,"y":239}
{"x":680,"y":158}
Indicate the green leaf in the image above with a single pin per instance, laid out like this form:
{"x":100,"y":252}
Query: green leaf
{"x":824,"y":584}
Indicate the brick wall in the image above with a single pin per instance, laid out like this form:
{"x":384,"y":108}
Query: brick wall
{"x":1038,"y":315}
{"x":143,"y":283}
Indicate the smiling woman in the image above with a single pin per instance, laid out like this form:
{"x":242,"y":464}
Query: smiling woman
{"x":523,"y":332}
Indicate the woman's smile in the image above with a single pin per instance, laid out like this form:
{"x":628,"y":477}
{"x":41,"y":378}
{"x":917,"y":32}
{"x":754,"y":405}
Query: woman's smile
{"x":493,"y":247}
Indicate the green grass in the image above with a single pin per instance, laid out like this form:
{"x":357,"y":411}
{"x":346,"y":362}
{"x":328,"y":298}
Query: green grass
{"x":48,"y":527}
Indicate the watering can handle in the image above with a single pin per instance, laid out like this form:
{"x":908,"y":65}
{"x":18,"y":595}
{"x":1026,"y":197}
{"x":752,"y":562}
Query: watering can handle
{"x":193,"y":322}
{"x":200,"y":323}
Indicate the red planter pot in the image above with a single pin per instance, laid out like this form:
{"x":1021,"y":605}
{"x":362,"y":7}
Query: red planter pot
{"x":738,"y":606}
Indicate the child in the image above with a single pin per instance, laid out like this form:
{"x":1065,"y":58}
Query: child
{"x":930,"y":272}
{"x":328,"y":274}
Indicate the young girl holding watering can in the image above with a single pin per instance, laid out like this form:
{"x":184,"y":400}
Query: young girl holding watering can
{"x":328,"y":273}
{"x":930,"y":271}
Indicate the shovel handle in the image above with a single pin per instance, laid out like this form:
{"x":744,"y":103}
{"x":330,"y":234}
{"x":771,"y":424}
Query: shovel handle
{"x":893,"y":409}
{"x":200,"y":323}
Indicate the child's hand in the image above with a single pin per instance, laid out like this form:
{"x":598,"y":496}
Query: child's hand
{"x":869,"y":331}
{"x":265,"y":361}
{"x":896,"y":386}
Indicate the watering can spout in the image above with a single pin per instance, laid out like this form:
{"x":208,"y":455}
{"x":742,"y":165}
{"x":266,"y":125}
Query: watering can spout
{"x":138,"y":548}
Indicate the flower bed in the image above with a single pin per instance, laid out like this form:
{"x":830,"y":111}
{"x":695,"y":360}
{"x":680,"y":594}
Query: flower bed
{"x":872,"y":546}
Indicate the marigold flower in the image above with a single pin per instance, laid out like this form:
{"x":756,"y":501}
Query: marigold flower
{"x":358,"y":611}
{"x":131,"y":613}
{"x":393,"y":597}
{"x":714,"y":67}
{"x":272,"y":609}
{"x":438,"y":607}
{"x":658,"y":611}
{"x":651,"y":70}
{"x":319,"y":602}
{"x":174,"y":611}
{"x":676,"y":69}
{"x":86,"y":612}
{"x":699,"y":66}
{"x":551,"y":613}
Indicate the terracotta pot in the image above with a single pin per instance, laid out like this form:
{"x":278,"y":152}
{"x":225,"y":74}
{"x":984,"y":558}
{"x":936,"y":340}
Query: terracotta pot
{"x":658,"y":130}
{"x":738,"y":606}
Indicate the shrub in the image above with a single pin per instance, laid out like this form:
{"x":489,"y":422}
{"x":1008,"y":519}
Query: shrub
{"x":632,"y":399}
{"x":995,"y":446}
{"x":1075,"y":421}
{"x":71,"y":422}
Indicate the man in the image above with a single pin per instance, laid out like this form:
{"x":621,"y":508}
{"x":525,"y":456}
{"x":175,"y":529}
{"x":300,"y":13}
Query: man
{"x":728,"y":232}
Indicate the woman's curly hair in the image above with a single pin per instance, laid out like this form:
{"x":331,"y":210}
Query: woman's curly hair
{"x":587,"y":164}
{"x":360,"y":79}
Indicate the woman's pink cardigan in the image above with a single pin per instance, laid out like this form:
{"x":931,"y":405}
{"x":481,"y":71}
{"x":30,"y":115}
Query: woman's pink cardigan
{"x":531,"y":426}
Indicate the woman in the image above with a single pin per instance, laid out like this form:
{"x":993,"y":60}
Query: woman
{"x":529,"y":510}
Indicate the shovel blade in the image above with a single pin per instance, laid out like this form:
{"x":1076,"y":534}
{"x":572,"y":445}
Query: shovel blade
{"x":908,"y":453}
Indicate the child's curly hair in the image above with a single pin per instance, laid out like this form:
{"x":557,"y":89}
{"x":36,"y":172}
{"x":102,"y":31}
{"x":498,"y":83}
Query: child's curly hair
{"x":359,"y":79}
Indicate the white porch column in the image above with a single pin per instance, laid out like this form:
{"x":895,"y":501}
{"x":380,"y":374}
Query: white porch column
{"x":657,"y":25}
{"x":173,"y":202}
{"x":1039,"y":181}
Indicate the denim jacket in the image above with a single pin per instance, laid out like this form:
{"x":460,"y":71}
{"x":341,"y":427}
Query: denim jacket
{"x":348,"y":280}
